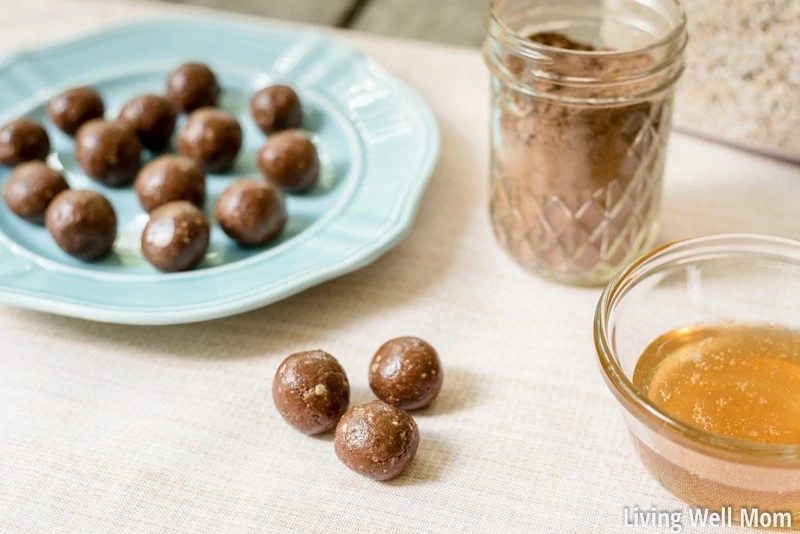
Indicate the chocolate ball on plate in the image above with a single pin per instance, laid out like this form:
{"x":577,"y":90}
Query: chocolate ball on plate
{"x":152,"y":118}
{"x":251,"y":212}
{"x":170,"y":178}
{"x":289,"y":160}
{"x":212,"y":137}
{"x":74,"y":107}
{"x":311,"y":391}
{"x":376,"y":440}
{"x":276,"y":107}
{"x":192,"y":86}
{"x":83,"y":224}
{"x":406,"y":372}
{"x":23,"y":140}
{"x":176,"y":237}
{"x":30,"y":189}
{"x":108,"y":151}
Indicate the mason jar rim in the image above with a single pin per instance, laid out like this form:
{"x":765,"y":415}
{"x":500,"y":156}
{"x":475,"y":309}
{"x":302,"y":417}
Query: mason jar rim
{"x":633,"y":400}
{"x":537,"y":48}
{"x":502,"y":41}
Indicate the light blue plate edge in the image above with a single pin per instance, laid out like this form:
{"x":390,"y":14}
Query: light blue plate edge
{"x":399,"y":227}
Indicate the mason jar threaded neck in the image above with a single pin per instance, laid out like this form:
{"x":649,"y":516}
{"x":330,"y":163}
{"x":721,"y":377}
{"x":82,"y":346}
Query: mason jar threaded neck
{"x":636,"y":49}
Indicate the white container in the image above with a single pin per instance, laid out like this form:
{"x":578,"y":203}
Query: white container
{"x":742,"y":80}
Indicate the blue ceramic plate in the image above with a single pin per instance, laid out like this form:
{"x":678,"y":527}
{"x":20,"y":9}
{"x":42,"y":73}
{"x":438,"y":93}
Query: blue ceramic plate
{"x":377,"y":140}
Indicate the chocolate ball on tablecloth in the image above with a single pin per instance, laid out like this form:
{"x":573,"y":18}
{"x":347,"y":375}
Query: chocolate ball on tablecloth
{"x":251,"y":212}
{"x":376,"y":440}
{"x":193,"y":86}
{"x":275,"y":108}
{"x":212,"y":137}
{"x":83,"y":224}
{"x":23,"y":140}
{"x":170,"y":178}
{"x":74,"y":107}
{"x":30,"y":189}
{"x":176,"y":237}
{"x":152,"y":118}
{"x":290,"y":160}
{"x":406,"y":372}
{"x":108,"y":152}
{"x":311,"y":391}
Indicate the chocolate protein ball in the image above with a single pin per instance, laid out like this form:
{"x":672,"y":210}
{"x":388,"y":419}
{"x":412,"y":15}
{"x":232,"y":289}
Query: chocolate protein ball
{"x":30,"y":189}
{"x":83,"y":224}
{"x":251,"y":212}
{"x":152,"y":118}
{"x":376,"y":440}
{"x":212,"y":137}
{"x":406,"y":372}
{"x":192,"y":86}
{"x":23,"y":140}
{"x":108,"y":151}
{"x":311,"y":391}
{"x":170,"y":178}
{"x":290,"y":161}
{"x":72,"y":108}
{"x":276,"y":108}
{"x":176,"y":237}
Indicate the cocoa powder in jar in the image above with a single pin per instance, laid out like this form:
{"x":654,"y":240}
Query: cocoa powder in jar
{"x":576,"y":185}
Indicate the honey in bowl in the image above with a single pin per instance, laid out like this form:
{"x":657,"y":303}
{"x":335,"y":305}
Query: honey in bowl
{"x":739,"y":381}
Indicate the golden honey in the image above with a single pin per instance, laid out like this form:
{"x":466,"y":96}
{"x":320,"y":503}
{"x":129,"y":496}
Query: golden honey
{"x":740,"y":381}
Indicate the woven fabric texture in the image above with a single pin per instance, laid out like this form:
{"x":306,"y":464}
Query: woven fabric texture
{"x":115,"y":429}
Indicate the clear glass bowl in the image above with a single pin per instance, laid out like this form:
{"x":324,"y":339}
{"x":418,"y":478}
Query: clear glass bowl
{"x":726,"y":278}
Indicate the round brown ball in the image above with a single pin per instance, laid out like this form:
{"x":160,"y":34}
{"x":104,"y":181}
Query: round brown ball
{"x":170,"y":178}
{"x":108,"y":152}
{"x":176,"y":237}
{"x":83,"y":224}
{"x":376,"y":440}
{"x":406,"y":372}
{"x":152,"y":118}
{"x":276,"y":108}
{"x":289,"y":160}
{"x":251,"y":212}
{"x":23,"y":140}
{"x":212,"y":137}
{"x":74,"y":107}
{"x":311,"y":391}
{"x":30,"y":189}
{"x":192,"y":86}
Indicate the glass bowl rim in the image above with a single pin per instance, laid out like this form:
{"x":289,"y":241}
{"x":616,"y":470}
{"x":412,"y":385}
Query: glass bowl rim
{"x":630,"y":397}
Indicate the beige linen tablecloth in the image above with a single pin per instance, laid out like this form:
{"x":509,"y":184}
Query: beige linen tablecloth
{"x":147,"y":430}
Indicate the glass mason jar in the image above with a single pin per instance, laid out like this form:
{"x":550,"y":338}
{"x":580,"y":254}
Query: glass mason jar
{"x":582,"y":94}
